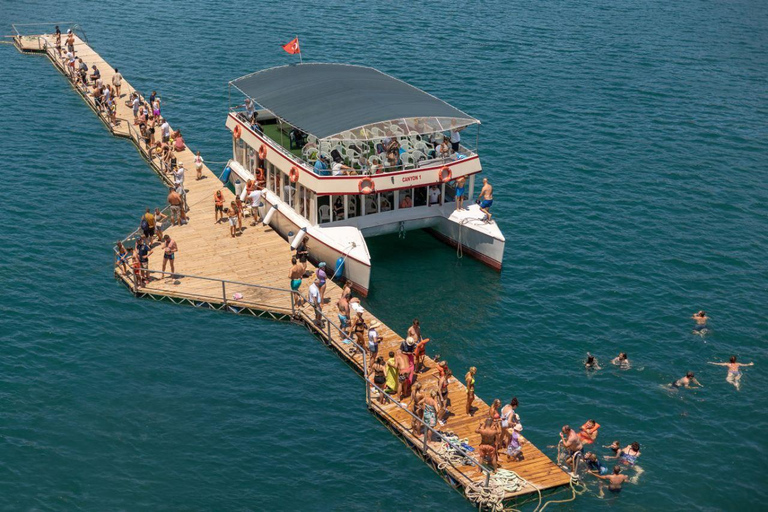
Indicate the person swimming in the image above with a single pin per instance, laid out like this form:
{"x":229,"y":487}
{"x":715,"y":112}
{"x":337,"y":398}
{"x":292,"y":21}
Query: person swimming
{"x":622,"y":361}
{"x":594,"y":465}
{"x":734,"y":371}
{"x":685,"y":382}
{"x":615,"y":447}
{"x":591,"y":364}
{"x":701,"y":323}
{"x":630,"y":454}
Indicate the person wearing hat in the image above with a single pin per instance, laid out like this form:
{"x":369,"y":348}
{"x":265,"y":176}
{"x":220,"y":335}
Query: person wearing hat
{"x":321,"y":166}
{"x":373,"y":340}
{"x":514,"y":448}
{"x":323,"y":277}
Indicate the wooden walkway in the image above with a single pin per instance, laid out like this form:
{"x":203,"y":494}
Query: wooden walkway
{"x":248,"y":274}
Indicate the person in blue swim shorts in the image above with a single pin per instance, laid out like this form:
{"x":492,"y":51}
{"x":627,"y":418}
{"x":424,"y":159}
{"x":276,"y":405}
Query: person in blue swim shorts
{"x":485,"y":199}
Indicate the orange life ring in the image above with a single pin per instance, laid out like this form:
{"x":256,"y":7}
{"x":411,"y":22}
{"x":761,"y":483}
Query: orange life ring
{"x":259,"y":175}
{"x":293,"y":175}
{"x":237,"y":132}
{"x":366,"y":186}
{"x":263,"y":152}
{"x":444,"y":174}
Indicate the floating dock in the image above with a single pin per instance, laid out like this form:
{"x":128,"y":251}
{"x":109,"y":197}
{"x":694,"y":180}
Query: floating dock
{"x":248,"y":275}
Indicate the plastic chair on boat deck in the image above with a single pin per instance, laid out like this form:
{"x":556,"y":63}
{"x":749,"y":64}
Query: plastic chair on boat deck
{"x":370,"y":206}
{"x":325,"y":213}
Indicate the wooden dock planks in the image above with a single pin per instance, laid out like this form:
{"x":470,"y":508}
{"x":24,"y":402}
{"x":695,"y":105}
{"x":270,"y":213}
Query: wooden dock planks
{"x":262,"y":257}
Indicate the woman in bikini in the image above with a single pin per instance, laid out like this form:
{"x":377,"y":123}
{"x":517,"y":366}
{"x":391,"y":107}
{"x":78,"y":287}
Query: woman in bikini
{"x":469,"y":379}
{"x":509,"y":419}
{"x":417,"y":408}
{"x":444,"y":373}
{"x":377,"y":370}
{"x":734,"y":372}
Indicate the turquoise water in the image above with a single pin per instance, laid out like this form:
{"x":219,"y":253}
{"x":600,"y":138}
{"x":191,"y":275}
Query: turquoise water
{"x":628,"y":145}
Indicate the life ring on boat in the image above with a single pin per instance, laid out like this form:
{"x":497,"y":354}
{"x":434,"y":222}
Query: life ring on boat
{"x":262,"y":152}
{"x":237,"y":132}
{"x":444,"y":174}
{"x":366,"y":186}
{"x":293,"y":175}
{"x":259,"y":175}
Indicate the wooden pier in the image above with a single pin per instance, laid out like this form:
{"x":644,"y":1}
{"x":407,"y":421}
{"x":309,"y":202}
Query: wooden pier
{"x":248,"y":274}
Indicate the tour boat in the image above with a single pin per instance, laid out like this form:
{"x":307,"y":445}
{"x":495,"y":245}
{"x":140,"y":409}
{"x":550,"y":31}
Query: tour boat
{"x":347,"y":152}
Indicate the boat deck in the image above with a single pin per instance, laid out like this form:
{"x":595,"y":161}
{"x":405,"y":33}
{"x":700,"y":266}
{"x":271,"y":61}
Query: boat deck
{"x":248,"y":274}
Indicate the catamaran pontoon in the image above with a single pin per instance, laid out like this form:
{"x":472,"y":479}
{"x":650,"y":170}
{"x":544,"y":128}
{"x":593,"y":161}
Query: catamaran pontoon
{"x":346,"y":152}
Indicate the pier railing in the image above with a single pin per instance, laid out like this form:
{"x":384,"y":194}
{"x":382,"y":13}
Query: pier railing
{"x":236,"y":294}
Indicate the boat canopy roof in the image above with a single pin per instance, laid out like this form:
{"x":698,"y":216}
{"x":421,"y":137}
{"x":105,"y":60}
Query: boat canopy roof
{"x":343,"y":102}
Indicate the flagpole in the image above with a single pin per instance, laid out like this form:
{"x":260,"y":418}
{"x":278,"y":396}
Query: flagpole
{"x":297,"y":42}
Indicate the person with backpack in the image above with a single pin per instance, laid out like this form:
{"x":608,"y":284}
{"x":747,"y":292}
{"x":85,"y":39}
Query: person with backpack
{"x":148,"y":225}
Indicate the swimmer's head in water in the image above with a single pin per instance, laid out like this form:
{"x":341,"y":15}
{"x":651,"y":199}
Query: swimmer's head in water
{"x":689,"y":375}
{"x":623,"y":355}
{"x":733,"y":359}
{"x":701,"y":313}
{"x":616,"y":470}
{"x":591,"y":423}
{"x":635,"y":446}
{"x":590,"y":359}
{"x":590,"y":456}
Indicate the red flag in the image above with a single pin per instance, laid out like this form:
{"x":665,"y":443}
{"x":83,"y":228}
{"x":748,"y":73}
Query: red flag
{"x":292,"y":47}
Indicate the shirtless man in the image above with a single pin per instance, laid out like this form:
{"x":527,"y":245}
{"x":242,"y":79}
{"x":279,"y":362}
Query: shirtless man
{"x":572,"y":443}
{"x":685,"y":382}
{"x":621,"y":361}
{"x":469,"y":380}
{"x":486,"y":199}
{"x":174,"y":199}
{"x":404,"y":369}
{"x":489,"y":431}
{"x":417,"y":408}
{"x":169,"y":253}
{"x":734,"y":374}
{"x":615,"y":480}
{"x":460,"y":192}
{"x":295,"y":275}
{"x":343,"y":307}
{"x":701,"y":323}
{"x":414,"y":331}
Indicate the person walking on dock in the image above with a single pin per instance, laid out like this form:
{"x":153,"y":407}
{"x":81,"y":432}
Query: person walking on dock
{"x":199,"y":166}
{"x":169,"y":253}
{"x":469,"y":380}
{"x":314,"y":301}
{"x":174,"y":199}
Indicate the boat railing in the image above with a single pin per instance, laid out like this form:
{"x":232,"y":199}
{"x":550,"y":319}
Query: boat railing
{"x":368,"y":170}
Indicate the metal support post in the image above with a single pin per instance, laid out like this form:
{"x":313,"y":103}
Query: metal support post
{"x":224,"y":292}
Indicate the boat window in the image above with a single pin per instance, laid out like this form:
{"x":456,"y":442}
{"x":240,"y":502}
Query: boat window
{"x":405,"y":198}
{"x":240,"y":152}
{"x":323,"y":209}
{"x":420,"y":196}
{"x":435,"y":195}
{"x":386,"y":201}
{"x":371,"y":203}
{"x":449,"y":194}
{"x":353,"y":206}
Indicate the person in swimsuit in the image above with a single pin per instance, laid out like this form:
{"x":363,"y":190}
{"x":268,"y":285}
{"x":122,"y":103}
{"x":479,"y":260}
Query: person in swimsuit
{"x":460,"y":192}
{"x":323,"y":277}
{"x":405,"y":369}
{"x":417,"y":408}
{"x":509,"y":419}
{"x":701,"y":323}
{"x":359,"y":329}
{"x":615,"y":480}
{"x":443,"y":374}
{"x":160,"y":217}
{"x":591,"y":363}
{"x":685,"y":382}
{"x":615,"y":447}
{"x":302,"y":252}
{"x":377,"y":370}
{"x":622,"y":361}
{"x":629,"y":455}
{"x":122,"y":257}
{"x":420,"y":354}
{"x":431,"y":410}
{"x":594,"y":465}
{"x":489,"y":431}
{"x":169,"y":253}
{"x":414,"y":331}
{"x":232,"y":217}
{"x":343,"y":306}
{"x":143,"y":250}
{"x":295,"y":275}
{"x":495,"y":414}
{"x":240,"y":214}
{"x":734,"y":372}
{"x":573,"y":445}
{"x":588,"y":433}
{"x":485,"y":199}
{"x":218,"y":201}
{"x":469,"y":380}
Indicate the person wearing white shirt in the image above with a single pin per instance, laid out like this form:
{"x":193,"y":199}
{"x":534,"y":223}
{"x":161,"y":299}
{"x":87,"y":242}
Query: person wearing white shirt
{"x":255,"y":198}
{"x":166,"y":129}
{"x":339,"y":168}
{"x":314,"y":301}
{"x":455,"y":139}
{"x":434,"y":195}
